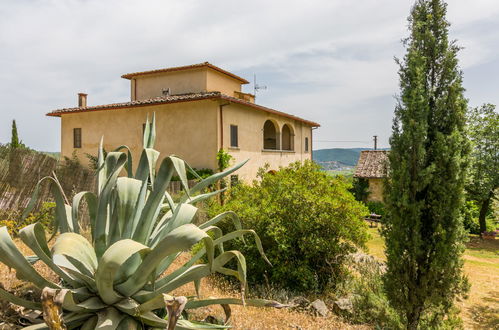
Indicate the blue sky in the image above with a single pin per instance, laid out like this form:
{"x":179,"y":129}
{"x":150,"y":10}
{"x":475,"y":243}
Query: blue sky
{"x":329,"y":61}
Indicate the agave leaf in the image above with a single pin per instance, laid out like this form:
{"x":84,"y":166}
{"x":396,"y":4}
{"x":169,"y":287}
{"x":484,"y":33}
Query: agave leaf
{"x":154,"y":201}
{"x":109,"y":319}
{"x":113,"y":165}
{"x":213,"y":221}
{"x":193,"y":304}
{"x":64,"y":263}
{"x":129,"y":165}
{"x":133,"y":308}
{"x":150,"y":132}
{"x":180,"y":239}
{"x":101,"y":174}
{"x":217,"y":233}
{"x":129,"y":323}
{"x":115,"y":256}
{"x":34,"y":237}
{"x":183,"y":214}
{"x":19,"y":301}
{"x":91,"y":200}
{"x":225,"y":257}
{"x":92,"y":304}
{"x":211,"y":180}
{"x":131,"y":226}
{"x":89,"y":324}
{"x":192,"y":274}
{"x":62,"y":219}
{"x":236,"y":234}
{"x":193,"y":325}
{"x":128,"y":192}
{"x":205,"y":196}
{"x":147,"y":165}
{"x":179,"y":166}
{"x":81,"y":293}
{"x":151,"y":319}
{"x":76,"y":246}
{"x":72,"y":320}
{"x":13,"y":258}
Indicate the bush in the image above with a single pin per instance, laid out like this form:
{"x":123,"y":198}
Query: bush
{"x":376,"y":207}
{"x":308,"y":222}
{"x":13,"y":222}
{"x":360,"y":189}
{"x":365,"y":286}
{"x":470,"y":217}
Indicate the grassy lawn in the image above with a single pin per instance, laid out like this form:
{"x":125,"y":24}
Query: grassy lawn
{"x":481,"y":265}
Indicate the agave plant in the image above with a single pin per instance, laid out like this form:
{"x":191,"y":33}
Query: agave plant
{"x":116,"y":280}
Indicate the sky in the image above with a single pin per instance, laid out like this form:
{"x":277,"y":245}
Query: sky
{"x":329,"y":61}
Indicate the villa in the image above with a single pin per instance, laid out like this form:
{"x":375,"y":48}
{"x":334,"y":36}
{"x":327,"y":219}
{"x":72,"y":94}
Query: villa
{"x":199,"y":110}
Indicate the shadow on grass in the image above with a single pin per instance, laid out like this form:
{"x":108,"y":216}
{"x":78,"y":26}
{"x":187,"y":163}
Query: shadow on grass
{"x":486,"y":315}
{"x":484,"y":248}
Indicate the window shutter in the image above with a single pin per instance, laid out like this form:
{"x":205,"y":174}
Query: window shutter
{"x":233,"y":136}
{"x":77,"y":137}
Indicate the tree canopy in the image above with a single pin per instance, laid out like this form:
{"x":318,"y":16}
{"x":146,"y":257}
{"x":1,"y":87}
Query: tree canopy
{"x":483,"y":131}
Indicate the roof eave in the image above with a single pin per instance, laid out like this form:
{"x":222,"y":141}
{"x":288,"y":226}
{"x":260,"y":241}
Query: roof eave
{"x":208,"y":97}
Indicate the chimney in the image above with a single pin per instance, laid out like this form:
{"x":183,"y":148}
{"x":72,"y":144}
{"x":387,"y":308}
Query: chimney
{"x":82,"y":100}
{"x":375,"y":142}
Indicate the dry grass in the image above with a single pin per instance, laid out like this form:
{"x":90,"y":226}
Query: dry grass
{"x":242,"y":317}
{"x":481,"y":265}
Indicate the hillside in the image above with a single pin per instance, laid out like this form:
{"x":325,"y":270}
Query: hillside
{"x":346,"y":157}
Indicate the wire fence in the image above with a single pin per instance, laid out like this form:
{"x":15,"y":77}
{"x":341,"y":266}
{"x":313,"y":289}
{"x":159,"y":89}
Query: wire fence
{"x":22,"y":169}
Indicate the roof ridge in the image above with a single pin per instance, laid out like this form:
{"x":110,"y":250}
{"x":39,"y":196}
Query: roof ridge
{"x":185,"y":67}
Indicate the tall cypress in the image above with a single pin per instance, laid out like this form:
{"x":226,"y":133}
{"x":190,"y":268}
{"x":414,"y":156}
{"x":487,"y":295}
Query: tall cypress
{"x":424,"y":192}
{"x":14,"y":140}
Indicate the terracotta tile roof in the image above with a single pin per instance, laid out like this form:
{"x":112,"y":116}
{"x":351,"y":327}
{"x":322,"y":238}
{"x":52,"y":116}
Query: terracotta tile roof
{"x":186,"y":67}
{"x":176,"y":99}
{"x":372,"y":164}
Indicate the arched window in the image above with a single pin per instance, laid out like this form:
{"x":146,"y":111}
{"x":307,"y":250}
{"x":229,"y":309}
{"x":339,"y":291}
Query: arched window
{"x":270,"y":140}
{"x":287,"y":138}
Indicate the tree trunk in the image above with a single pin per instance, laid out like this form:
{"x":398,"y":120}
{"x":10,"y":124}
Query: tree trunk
{"x":413,"y":318}
{"x":483,"y":212}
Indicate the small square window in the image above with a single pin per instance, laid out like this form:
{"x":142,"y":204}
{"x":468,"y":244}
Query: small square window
{"x":77,"y":137}
{"x":234,"y":136}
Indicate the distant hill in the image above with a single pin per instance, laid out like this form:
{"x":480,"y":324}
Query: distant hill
{"x":347,"y":157}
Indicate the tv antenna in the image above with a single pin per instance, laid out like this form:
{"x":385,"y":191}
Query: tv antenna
{"x":257,"y":87}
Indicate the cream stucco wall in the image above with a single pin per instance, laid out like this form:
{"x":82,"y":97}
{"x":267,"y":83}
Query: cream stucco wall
{"x":188,"y":130}
{"x":191,"y":130}
{"x":250,"y":139}
{"x":217,"y":81}
{"x":375,"y":189}
{"x":179,"y":82}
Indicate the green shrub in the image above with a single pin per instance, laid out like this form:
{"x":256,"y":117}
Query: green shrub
{"x":308,"y":222}
{"x":376,"y":207}
{"x":360,"y":189}
{"x":365,"y":287}
{"x":13,"y":222}
{"x":470,"y":217}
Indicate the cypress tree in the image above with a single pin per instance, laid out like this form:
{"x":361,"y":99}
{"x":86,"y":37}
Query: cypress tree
{"x":14,"y":140}
{"x":424,"y":192}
